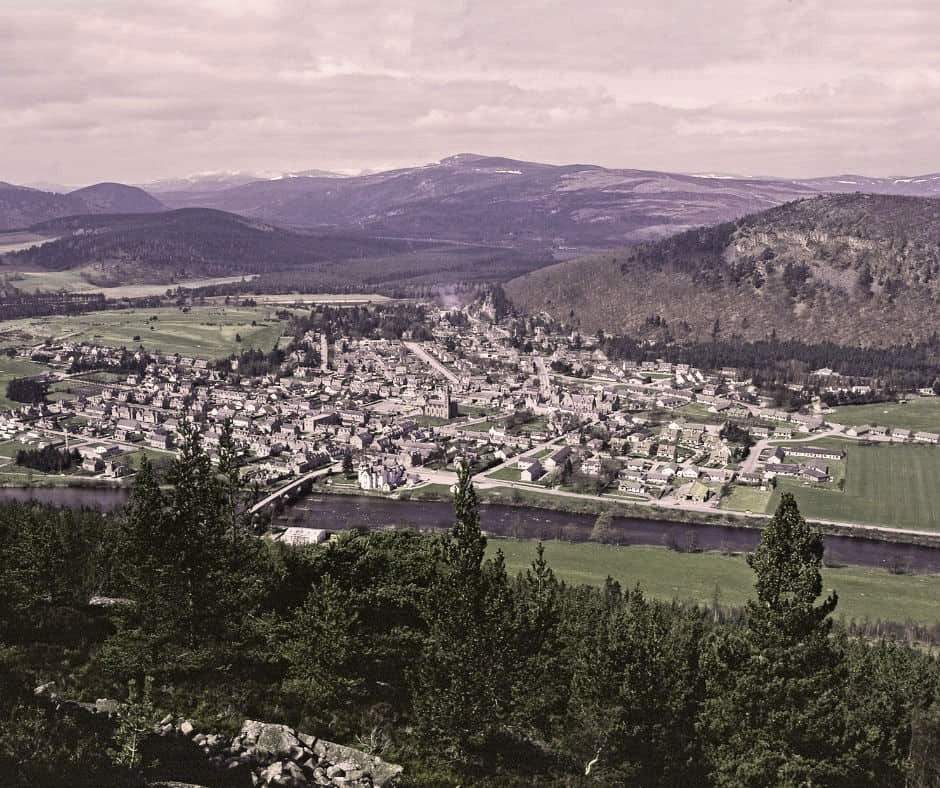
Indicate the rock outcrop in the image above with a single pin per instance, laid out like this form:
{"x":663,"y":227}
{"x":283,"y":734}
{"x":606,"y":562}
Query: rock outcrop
{"x":280,"y":757}
{"x":273,"y":756}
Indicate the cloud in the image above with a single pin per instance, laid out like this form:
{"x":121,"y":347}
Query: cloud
{"x":133,"y":91}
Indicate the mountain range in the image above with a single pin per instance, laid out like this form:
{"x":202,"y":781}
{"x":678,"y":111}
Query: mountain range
{"x":857,"y":269}
{"x":469,"y":198}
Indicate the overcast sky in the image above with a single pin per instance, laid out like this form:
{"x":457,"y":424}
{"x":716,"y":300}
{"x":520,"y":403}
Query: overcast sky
{"x":135,"y":90}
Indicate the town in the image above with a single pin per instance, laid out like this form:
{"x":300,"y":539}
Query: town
{"x":546,"y":413}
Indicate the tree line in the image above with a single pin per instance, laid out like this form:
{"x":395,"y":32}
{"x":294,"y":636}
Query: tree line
{"x":429,"y":648}
{"x":48,"y":459}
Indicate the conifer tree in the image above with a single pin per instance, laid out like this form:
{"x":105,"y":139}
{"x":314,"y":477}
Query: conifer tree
{"x":463,"y":684}
{"x":774,"y":712}
{"x":135,"y":721}
{"x":190,"y":569}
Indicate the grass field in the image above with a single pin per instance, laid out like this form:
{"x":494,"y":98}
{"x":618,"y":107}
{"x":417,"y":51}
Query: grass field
{"x":666,"y":575}
{"x":921,"y":413}
{"x":15,"y":368}
{"x":892,"y":485}
{"x":743,"y":498}
{"x":509,"y":474}
{"x":135,"y":458}
{"x":206,"y":332}
{"x":74,"y":281}
{"x":698,"y":412}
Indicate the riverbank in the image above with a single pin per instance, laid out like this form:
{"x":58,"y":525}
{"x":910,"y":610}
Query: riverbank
{"x":322,"y":509}
{"x":515,"y":496}
{"x":864,"y":593}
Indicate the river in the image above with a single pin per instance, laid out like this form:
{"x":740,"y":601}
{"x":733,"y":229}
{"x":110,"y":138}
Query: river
{"x":341,"y":512}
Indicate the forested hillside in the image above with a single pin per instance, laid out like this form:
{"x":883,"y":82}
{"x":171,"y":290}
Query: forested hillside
{"x":854,"y":269}
{"x":190,"y":242}
{"x":22,"y":207}
{"x":421,"y":649}
{"x":117,"y":198}
{"x":195,"y":241}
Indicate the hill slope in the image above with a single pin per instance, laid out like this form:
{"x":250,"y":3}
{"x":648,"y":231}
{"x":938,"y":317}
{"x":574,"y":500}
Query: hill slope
{"x":190,"y":241}
{"x":173,"y":246}
{"x":857,"y":269}
{"x":21,"y":207}
{"x":116,"y":198}
{"x":479,"y":199}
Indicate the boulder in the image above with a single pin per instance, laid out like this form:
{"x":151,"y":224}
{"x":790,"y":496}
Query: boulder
{"x":283,"y":774}
{"x":187,"y":728}
{"x":45,"y":689}
{"x":383,"y":774}
{"x":107,"y":706}
{"x":268,"y":740}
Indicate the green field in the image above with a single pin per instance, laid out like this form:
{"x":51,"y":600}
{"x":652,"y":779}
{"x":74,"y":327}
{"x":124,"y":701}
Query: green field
{"x":203,"y":331}
{"x":921,"y":413}
{"x":698,"y":412}
{"x":891,"y":485}
{"x":508,"y":474}
{"x":15,"y":368}
{"x":75,"y":280}
{"x":693,"y":577}
{"x":744,"y":498}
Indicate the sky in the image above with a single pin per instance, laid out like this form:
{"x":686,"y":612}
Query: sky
{"x":137,"y":90}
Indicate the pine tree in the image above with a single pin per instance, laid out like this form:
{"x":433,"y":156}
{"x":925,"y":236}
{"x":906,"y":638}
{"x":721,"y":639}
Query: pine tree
{"x":348,"y":468}
{"x":463,"y":684}
{"x":321,"y":649}
{"x":189,"y":564}
{"x":135,"y":721}
{"x":775,"y":713}
{"x":540,"y":693}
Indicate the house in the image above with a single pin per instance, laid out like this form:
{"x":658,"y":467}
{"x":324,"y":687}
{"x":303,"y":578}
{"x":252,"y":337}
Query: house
{"x":380,"y":477}
{"x":160,"y":439}
{"x":926,"y":437}
{"x":857,"y":430}
{"x":592,"y":466}
{"x":557,"y":458}
{"x":92,"y":464}
{"x":115,"y":470}
{"x":783,"y":469}
{"x":817,"y":475}
{"x":718,"y":475}
{"x":533,"y":472}
{"x":632,"y":487}
{"x":698,"y":493}
{"x":815,"y":452}
{"x":900,"y":436}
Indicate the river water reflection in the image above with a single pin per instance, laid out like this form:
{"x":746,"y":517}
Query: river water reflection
{"x":340,"y":512}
